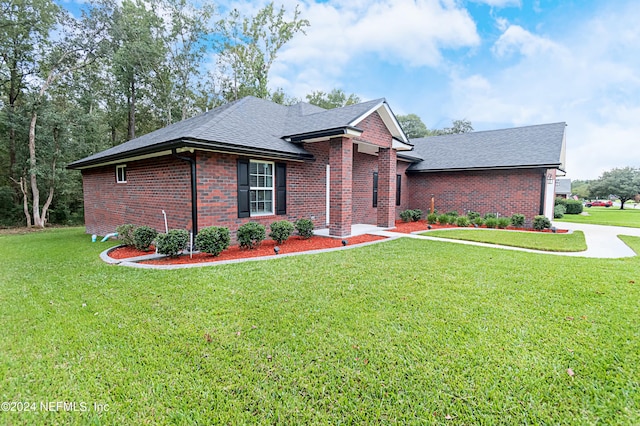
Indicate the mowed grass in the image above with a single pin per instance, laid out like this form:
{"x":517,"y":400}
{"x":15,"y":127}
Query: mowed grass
{"x":565,"y":242}
{"x":406,"y":331}
{"x":606,"y":216}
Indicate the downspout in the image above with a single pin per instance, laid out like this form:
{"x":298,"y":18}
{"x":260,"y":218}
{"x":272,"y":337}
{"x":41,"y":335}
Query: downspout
{"x":194,"y":190}
{"x":543,"y":191}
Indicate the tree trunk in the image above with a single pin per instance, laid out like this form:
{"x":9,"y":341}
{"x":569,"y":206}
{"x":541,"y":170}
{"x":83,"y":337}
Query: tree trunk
{"x":132,"y":111}
{"x":35,"y":193}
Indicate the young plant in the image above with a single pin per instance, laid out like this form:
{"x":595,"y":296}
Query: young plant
{"x":173,"y":242}
{"x":432,"y":218}
{"x":251,"y":235}
{"x":213,"y":240}
{"x":125,"y":234}
{"x":417,"y":215}
{"x":281,"y":231}
{"x":444,"y":219}
{"x":558,"y":211}
{"x":517,"y":220}
{"x":143,"y":236}
{"x":304,"y":228}
{"x":541,"y":222}
{"x":491,"y":222}
{"x":473,"y":215}
{"x":406,"y":215}
{"x":503,"y":222}
{"x":462,"y":221}
{"x":478,"y":221}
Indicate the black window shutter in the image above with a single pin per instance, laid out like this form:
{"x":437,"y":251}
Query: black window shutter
{"x":281,"y":188}
{"x":375,"y":189}
{"x":398,"y":186}
{"x":243,"y":188}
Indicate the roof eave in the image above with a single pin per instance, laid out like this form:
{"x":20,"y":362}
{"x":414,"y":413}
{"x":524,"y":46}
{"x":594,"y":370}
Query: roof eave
{"x":464,"y":169}
{"x":325,"y":134}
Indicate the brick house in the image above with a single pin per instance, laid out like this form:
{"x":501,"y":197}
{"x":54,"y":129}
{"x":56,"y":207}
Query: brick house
{"x":254,"y":160}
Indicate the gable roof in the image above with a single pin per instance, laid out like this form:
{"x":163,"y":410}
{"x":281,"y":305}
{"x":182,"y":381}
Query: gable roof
{"x":539,"y":146}
{"x":251,"y":126}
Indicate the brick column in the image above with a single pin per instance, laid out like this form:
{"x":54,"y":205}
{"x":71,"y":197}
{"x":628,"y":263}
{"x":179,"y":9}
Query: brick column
{"x":340,"y":207}
{"x":386,"y":187}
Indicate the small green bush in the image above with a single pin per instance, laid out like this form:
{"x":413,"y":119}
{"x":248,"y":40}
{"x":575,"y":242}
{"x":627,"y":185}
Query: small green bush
{"x":304,"y":228}
{"x":143,"y":236}
{"x":541,"y":222}
{"x":417,"y":215}
{"x":503,"y":222}
{"x":213,"y":240}
{"x":125,"y":234}
{"x":432,"y":218}
{"x":281,"y":231}
{"x":453,"y":213}
{"x":462,"y":221}
{"x":558,"y":211}
{"x":472,"y":215}
{"x":560,"y":201}
{"x":491,"y":222}
{"x":251,"y":235}
{"x":173,"y":242}
{"x":517,"y":220}
{"x":406,"y":215}
{"x":574,"y":207}
{"x":478,"y":221}
{"x":444,"y":219}
{"x":490,"y":216}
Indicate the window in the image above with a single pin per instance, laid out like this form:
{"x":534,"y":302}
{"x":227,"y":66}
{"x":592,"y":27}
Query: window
{"x":375,"y":189}
{"x":121,"y":174}
{"x":260,"y":187}
{"x":398,"y":188}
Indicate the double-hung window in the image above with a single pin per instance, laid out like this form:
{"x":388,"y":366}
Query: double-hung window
{"x":261,"y":190}
{"x":121,"y":174}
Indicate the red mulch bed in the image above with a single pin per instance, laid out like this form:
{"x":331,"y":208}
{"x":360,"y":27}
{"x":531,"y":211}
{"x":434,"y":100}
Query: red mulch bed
{"x":127,"y":252}
{"x":422,"y":225}
{"x":292,"y":245}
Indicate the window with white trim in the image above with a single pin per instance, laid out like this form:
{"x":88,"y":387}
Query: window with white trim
{"x":121,"y":174}
{"x":261,"y":187}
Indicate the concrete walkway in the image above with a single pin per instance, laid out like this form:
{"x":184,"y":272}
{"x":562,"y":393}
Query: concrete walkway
{"x":602,"y":241}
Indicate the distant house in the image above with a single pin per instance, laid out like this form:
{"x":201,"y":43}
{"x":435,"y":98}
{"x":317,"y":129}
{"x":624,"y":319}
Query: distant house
{"x":563,"y":188}
{"x":254,"y":160}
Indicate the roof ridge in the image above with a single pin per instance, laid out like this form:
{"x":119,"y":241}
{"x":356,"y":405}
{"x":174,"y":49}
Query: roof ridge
{"x":223,"y":111}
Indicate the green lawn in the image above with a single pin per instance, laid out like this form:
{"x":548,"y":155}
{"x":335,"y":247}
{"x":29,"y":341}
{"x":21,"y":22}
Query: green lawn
{"x":407,"y":331}
{"x":532,"y":240}
{"x":606,"y":216}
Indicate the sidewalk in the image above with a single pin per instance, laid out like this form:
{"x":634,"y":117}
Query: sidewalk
{"x":602,"y":241}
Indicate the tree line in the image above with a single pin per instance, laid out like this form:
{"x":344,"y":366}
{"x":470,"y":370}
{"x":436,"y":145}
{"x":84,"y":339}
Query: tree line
{"x":621,"y":183}
{"x":73,"y":85}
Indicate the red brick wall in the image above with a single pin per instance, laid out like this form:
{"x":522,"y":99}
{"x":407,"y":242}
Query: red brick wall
{"x":386,"y":187}
{"x":362,"y":191}
{"x":152,"y":185}
{"x":374,"y":131}
{"x":341,"y":177}
{"x":499,"y":191}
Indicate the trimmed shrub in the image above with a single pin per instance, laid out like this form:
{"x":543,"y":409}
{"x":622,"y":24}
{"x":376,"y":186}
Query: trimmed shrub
{"x":491,"y":222}
{"x":304,"y":228}
{"x":213,"y":240}
{"x":406,"y":215}
{"x":143,"y":236}
{"x":503,"y":222}
{"x":574,"y":207}
{"x":541,"y":222}
{"x":417,"y":215}
{"x":478,"y":221}
{"x":462,"y":221}
{"x":517,"y":220}
{"x":560,"y":201}
{"x":432,"y":218}
{"x":444,"y":219}
{"x":281,"y":231}
{"x":559,"y":211}
{"x":125,"y":234}
{"x":473,"y":215}
{"x":453,"y":213}
{"x":490,"y":216}
{"x":251,"y":235}
{"x":173,"y":242}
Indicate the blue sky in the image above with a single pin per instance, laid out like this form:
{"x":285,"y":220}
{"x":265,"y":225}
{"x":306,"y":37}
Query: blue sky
{"x":497,"y":63}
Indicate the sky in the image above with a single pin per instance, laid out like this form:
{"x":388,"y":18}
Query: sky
{"x":497,"y":63}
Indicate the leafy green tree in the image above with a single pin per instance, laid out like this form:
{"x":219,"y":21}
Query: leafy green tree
{"x":457,"y":126}
{"x":413,"y":126}
{"x":580,"y":188}
{"x":624,"y":183}
{"x":334,"y":99}
{"x":248,"y":48}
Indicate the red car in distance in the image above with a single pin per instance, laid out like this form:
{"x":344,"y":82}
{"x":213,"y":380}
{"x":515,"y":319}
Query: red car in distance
{"x":599,"y":203}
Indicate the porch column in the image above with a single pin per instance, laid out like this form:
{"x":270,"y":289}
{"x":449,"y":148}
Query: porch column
{"x":341,"y":162}
{"x":386,"y":187}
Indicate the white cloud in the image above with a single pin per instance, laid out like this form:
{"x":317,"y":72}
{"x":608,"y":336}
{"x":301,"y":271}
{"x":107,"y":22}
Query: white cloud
{"x":412,"y":33}
{"x":516,"y":39}
{"x":500,"y":3}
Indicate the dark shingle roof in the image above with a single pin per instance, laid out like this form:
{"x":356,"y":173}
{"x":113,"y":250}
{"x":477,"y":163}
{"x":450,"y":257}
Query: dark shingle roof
{"x":531,"y":146}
